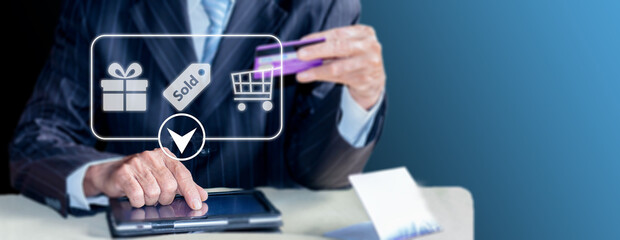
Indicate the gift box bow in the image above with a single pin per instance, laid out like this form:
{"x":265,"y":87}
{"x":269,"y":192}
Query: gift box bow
{"x":117,"y":71}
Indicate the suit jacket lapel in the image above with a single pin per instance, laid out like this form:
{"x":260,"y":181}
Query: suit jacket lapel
{"x":236,"y":54}
{"x":172,"y":55}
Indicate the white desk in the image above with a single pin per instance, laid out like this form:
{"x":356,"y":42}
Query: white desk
{"x":306,"y":215}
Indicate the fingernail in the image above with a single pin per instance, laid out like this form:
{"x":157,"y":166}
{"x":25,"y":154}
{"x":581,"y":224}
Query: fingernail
{"x":197,"y":204}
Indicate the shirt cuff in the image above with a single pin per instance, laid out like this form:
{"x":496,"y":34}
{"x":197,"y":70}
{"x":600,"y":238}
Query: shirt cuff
{"x":356,"y":122}
{"x":75,"y":189}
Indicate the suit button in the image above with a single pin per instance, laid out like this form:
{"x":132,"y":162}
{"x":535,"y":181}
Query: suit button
{"x":204,"y":152}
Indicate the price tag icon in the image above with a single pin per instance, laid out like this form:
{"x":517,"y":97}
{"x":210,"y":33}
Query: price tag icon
{"x":186,"y":87}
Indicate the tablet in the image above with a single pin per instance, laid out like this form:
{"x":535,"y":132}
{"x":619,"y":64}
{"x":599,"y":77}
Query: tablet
{"x":248,"y":209}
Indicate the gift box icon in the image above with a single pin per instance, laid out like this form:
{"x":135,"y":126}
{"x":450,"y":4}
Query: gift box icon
{"x":124,"y":93}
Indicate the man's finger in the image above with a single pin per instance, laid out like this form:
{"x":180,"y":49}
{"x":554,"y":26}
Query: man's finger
{"x":134,"y":192}
{"x":334,"y":71}
{"x":186,"y":185}
{"x":203,"y":193}
{"x":355,"y":31}
{"x":167,"y":150}
{"x":324,"y":73}
{"x":336,"y":48}
{"x":167,"y":184}
{"x":339,"y":42}
{"x":138,"y":169}
{"x":149,"y":187}
{"x":165,"y":179}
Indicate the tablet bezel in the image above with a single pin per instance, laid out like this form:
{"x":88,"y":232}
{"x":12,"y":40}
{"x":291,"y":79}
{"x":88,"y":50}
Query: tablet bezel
{"x":271,"y":218}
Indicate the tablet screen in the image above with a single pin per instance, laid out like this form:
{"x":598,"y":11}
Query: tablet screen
{"x":216,"y":205}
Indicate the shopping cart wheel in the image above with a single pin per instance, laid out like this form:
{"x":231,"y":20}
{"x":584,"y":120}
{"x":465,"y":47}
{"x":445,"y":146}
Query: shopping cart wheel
{"x":241,"y":107}
{"x":267,"y":105}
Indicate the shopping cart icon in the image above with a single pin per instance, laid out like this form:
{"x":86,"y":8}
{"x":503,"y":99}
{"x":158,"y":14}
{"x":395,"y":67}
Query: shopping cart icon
{"x":248,"y":87}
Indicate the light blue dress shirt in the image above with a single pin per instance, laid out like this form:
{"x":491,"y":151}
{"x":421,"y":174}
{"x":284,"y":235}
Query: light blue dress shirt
{"x":354,"y":126}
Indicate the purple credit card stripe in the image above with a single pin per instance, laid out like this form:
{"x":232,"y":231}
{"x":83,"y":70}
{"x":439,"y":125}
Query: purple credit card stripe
{"x":289,"y":58}
{"x":288,"y":44}
{"x":291,"y":67}
{"x":276,"y":58}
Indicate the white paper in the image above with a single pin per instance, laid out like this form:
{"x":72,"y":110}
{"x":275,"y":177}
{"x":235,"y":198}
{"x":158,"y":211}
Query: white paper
{"x":394,"y":203}
{"x":360,"y":231}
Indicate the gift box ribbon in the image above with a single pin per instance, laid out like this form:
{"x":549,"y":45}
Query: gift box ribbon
{"x":116,"y":70}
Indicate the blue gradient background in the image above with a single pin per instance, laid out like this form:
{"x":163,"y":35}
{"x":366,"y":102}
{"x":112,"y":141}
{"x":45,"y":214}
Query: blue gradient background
{"x":518,"y":101}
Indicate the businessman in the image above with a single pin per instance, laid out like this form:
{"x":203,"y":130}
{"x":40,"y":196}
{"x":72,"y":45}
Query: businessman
{"x":333,"y":114}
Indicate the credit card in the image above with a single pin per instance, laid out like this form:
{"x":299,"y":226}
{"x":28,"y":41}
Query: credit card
{"x":268,"y":57}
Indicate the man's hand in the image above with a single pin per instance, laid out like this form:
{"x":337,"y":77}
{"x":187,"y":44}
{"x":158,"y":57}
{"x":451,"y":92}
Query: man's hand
{"x":146,"y":178}
{"x":353,"y":58}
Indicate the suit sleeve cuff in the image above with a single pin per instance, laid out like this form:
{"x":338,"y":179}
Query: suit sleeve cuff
{"x":356,"y":122}
{"x":75,"y":190}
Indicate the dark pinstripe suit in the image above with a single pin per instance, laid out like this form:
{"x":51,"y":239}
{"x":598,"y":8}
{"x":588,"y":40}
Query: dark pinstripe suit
{"x":53,"y":137}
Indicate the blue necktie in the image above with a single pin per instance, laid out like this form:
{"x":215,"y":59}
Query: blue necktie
{"x":216,"y":11}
